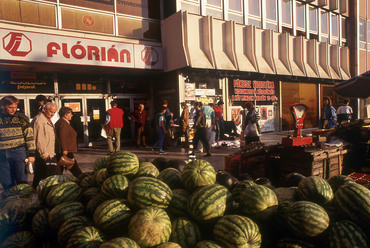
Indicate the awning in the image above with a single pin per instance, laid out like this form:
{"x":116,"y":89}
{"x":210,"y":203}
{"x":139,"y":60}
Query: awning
{"x":356,"y":87}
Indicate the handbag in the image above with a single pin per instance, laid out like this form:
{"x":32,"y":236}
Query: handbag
{"x":66,"y":162}
{"x":251,"y":130}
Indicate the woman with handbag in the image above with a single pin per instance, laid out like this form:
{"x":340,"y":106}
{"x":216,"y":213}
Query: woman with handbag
{"x":67,"y":138}
{"x":252,"y":128}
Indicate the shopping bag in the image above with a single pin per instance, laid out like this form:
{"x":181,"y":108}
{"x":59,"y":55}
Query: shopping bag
{"x":251,"y":130}
{"x":103,"y":133}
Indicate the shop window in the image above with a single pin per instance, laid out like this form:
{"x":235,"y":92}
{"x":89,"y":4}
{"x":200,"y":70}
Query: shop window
{"x":328,"y":91}
{"x":26,"y":82}
{"x":107,"y":5}
{"x":362,"y":30}
{"x":76,"y":83}
{"x":138,"y":28}
{"x":87,"y":21}
{"x":304,"y":93}
{"x":300,"y":16}
{"x":286,"y":6}
{"x":141,"y":8}
{"x":28,"y":12}
{"x":313,"y":19}
{"x":271,"y":10}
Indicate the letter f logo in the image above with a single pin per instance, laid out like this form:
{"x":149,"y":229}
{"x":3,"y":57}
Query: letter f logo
{"x":17,"y":44}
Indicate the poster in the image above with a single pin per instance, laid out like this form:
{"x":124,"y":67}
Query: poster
{"x":266,"y":122}
{"x":189,"y":91}
{"x":75,"y":106}
{"x":236,"y":117}
{"x":96,"y":114}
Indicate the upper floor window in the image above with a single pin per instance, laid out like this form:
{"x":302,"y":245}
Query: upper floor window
{"x":286,"y":12}
{"x":324,"y":26}
{"x":313,"y":19}
{"x":335,"y":29}
{"x":271,"y":10}
{"x":301,"y":17}
{"x":362,"y":29}
{"x":235,"y":5}
{"x":344,"y":29}
{"x":254,"y":7}
{"x":217,"y":3}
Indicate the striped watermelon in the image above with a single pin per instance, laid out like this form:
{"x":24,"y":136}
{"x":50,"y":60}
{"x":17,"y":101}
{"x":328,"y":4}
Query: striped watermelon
{"x":171,"y":177}
{"x":306,"y":219}
{"x":315,"y":189}
{"x":69,"y":227}
{"x":149,"y":192}
{"x":150,"y":227}
{"x":115,"y":186}
{"x":40,"y":224}
{"x":90,"y":193}
{"x":88,"y":182}
{"x":207,"y":244}
{"x":169,"y":245}
{"x":20,"y":239}
{"x":147,"y":169}
{"x":179,"y":202}
{"x":293,"y":242}
{"x":93,"y":204}
{"x":89,"y":237}
{"x":239,"y":187}
{"x":21,"y":190}
{"x":258,"y":201}
{"x":112,"y":214}
{"x":47,"y":184}
{"x":63,"y":192}
{"x":64,"y":211}
{"x":100,"y":176}
{"x":185,"y":232}
{"x":124,"y":163}
{"x":209,"y":203}
{"x":12,"y":220}
{"x":354,"y":200}
{"x":237,"y":231}
{"x":120,"y":243}
{"x":337,"y":181}
{"x":345,"y":233}
{"x":100,"y":163}
{"x":198,"y":173}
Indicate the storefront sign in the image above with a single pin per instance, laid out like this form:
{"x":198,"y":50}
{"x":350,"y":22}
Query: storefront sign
{"x":205,"y":92}
{"x":247,"y":90}
{"x":20,"y":82}
{"x":37,"y":47}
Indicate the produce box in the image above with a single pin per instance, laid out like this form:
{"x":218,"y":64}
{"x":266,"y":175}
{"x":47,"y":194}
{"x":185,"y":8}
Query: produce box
{"x":309,"y":161}
{"x":360,"y":178}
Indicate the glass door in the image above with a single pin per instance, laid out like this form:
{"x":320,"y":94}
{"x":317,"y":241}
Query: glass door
{"x":125,"y":105}
{"x":78,"y":118}
{"x":95,"y":117}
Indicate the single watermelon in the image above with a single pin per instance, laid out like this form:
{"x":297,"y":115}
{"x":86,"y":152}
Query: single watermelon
{"x":198,"y":173}
{"x":88,"y":236}
{"x":185,"y":232}
{"x":124,"y":163}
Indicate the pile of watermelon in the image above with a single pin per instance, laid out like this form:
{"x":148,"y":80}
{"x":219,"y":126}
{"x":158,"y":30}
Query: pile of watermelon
{"x":126,"y":202}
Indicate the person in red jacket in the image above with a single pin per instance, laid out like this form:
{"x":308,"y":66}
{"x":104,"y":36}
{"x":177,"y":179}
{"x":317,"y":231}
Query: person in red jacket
{"x":113,"y":125}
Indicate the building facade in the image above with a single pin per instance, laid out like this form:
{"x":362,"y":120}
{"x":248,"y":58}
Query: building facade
{"x":85,"y":53}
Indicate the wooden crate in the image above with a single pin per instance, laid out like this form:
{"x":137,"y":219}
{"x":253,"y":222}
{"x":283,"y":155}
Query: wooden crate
{"x":309,"y":161}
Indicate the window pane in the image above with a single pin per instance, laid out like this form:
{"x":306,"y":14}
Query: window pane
{"x":368,"y":31}
{"x":254,"y":7}
{"x":344,"y":28}
{"x":362,"y":30}
{"x":271,"y":9}
{"x":214,"y":2}
{"x":300,"y":15}
{"x":287,"y":16}
{"x":254,"y":22}
{"x":235,"y":5}
{"x":313,"y":19}
{"x":334,"y":25}
{"x":324,"y":22}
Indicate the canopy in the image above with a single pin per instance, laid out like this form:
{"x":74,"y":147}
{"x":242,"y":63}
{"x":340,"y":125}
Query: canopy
{"x":356,"y":87}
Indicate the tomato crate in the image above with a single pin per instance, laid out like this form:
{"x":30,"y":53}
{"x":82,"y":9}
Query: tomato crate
{"x":360,"y":178}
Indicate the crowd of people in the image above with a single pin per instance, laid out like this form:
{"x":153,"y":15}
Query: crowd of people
{"x":43,"y":144}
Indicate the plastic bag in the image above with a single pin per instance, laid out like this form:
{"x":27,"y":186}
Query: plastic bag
{"x":103,"y":133}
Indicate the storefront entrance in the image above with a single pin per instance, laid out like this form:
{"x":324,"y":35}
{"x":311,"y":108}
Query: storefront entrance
{"x":88,"y":115}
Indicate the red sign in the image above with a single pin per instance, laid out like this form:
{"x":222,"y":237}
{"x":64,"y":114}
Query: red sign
{"x":17,"y":44}
{"x":247,"y":90}
{"x":150,"y":56}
